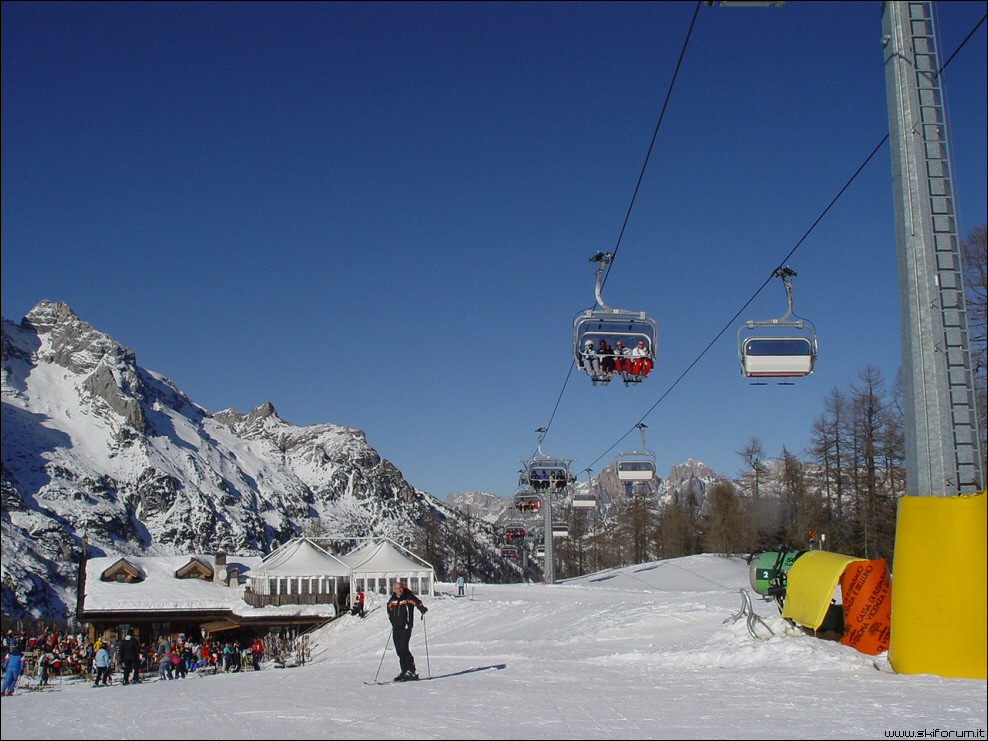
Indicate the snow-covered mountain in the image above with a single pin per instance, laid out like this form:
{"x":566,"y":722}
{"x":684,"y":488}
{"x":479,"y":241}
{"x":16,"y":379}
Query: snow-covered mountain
{"x":481,"y":505}
{"x":97,"y":447}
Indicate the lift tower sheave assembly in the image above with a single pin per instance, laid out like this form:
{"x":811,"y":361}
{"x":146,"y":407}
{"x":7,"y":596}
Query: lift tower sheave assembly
{"x":943,"y":446}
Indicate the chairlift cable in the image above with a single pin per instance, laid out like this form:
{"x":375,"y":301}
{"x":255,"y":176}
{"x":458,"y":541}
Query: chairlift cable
{"x":651,"y":146}
{"x":634,"y":196}
{"x":731,"y":322}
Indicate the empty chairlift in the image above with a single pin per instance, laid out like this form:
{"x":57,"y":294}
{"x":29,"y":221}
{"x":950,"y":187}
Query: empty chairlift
{"x":637,"y":465}
{"x":586,"y":498}
{"x":600,"y":334}
{"x":778,"y":348}
{"x":638,"y":468}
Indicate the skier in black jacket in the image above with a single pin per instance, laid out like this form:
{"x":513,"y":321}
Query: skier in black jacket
{"x":401,"y":611}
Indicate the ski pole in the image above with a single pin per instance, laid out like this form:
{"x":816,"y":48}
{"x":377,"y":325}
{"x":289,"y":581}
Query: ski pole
{"x":386,"y":644}
{"x":425,"y":635}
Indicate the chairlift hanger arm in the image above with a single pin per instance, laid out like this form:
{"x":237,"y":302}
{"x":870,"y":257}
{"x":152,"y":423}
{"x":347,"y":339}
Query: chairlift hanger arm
{"x":604,"y":258}
{"x":786,"y":274}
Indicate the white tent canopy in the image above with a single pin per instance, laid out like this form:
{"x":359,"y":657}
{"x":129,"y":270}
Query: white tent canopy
{"x":379,"y":562}
{"x":299,"y":567}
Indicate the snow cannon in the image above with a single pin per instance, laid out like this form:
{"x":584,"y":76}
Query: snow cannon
{"x":829,"y":595}
{"x":769,"y":571}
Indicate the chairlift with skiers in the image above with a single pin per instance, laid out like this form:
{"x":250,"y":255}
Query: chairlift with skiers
{"x":596,"y":333}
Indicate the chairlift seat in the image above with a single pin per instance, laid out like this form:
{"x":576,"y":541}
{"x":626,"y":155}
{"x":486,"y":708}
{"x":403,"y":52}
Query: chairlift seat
{"x":547,"y":473}
{"x":527,"y":501}
{"x":777,"y":357}
{"x":636,"y":470}
{"x":778,"y":348}
{"x":612,"y":325}
{"x":584,"y":501}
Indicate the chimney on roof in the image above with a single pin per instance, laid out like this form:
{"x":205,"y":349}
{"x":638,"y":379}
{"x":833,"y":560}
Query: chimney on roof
{"x":219,"y":567}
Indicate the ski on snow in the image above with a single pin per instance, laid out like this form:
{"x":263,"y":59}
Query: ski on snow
{"x":472,"y":670}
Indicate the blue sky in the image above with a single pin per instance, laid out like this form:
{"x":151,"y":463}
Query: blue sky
{"x":380,"y":215}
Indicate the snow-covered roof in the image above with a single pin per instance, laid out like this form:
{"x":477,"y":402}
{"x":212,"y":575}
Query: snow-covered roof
{"x":160,"y":589}
{"x":301,"y":557}
{"x":383,"y":557}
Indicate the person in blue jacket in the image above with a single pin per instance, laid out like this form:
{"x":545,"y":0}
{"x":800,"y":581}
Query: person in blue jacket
{"x":401,"y":611}
{"x":102,"y":663}
{"x":13,"y":667}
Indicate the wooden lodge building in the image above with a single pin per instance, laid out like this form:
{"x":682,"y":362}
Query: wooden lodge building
{"x":292,"y":589}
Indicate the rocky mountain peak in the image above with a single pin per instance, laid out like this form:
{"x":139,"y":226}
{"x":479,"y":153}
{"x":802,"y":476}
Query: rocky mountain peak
{"x":104,"y":449}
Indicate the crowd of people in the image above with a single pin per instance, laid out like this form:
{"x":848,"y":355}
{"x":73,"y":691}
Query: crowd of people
{"x":602,"y":363}
{"x":47,"y":655}
{"x":175,"y":657}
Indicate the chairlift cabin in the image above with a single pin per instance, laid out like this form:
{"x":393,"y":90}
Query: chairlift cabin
{"x":637,"y":468}
{"x":514,"y":533}
{"x":526,"y":500}
{"x":777,"y":357}
{"x":637,"y":465}
{"x":598,"y":332}
{"x":509,"y":552}
{"x":560,"y":530}
{"x":544,"y":472}
{"x":586,"y":499}
{"x":778,"y":348}
{"x":540,"y":551}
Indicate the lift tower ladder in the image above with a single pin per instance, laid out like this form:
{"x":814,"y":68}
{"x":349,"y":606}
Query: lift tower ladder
{"x":943,"y":445}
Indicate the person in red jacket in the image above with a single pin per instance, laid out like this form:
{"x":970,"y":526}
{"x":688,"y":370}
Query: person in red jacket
{"x":401,"y":612}
{"x":358,"y":605}
{"x":256,"y":652}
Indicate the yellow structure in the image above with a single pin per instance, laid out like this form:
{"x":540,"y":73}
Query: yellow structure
{"x":811,"y":585}
{"x":939,"y":596}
